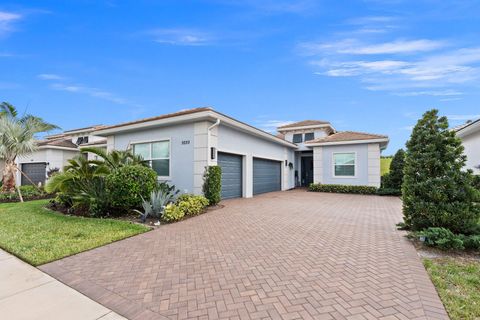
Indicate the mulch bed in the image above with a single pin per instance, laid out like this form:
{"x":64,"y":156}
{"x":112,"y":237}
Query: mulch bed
{"x":130,"y":217}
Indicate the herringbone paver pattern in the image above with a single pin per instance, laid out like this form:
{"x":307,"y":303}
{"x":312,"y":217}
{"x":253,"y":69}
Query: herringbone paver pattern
{"x":284,"y":255}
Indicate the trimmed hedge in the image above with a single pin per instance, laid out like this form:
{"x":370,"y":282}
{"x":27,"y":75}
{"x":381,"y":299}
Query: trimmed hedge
{"x":338,"y":188}
{"x":28,"y":193}
{"x":212,"y":184}
{"x":128,"y":185}
{"x":389,"y":192}
{"x":172,"y":213}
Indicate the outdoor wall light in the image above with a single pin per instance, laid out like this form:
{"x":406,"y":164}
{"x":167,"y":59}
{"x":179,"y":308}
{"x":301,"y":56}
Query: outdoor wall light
{"x":213,"y":153}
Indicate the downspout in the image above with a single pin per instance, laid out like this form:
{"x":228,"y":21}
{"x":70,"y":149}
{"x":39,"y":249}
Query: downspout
{"x":208,"y":139}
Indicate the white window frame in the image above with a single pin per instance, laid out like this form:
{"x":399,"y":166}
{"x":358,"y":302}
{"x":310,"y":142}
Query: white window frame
{"x":169,"y":177}
{"x":354,"y":166}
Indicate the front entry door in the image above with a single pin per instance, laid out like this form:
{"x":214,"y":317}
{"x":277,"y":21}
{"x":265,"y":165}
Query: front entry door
{"x":307,"y":171}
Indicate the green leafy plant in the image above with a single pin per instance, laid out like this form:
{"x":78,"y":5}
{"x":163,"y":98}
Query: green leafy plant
{"x":114,"y":159}
{"x":81,"y":185}
{"x":192,"y":204}
{"x":389,"y":192}
{"x":129,"y":184}
{"x":337,"y":188}
{"x":471,"y":242}
{"x":436,"y":191}
{"x":212,"y":184}
{"x":441,"y":238}
{"x":172,"y":213}
{"x":159,"y":198}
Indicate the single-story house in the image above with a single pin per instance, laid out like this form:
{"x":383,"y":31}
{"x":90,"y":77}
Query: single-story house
{"x":470,"y":135}
{"x":54,"y":152}
{"x":179,"y":146}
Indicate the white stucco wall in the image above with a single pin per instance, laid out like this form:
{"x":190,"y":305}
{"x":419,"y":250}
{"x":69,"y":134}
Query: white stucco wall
{"x":374,"y":165}
{"x":231,"y":140}
{"x":55,"y":158}
{"x":361,"y":165}
{"x":182,"y":154}
{"x":471,"y":144}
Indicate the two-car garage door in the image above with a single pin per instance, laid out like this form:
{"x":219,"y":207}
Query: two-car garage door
{"x":266,"y":175}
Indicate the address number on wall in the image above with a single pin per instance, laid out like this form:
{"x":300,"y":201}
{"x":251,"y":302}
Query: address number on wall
{"x":185,"y":141}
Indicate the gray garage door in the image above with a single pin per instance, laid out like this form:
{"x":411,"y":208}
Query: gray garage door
{"x":266,"y":175}
{"x":231,"y":165}
{"x":35,"y":171}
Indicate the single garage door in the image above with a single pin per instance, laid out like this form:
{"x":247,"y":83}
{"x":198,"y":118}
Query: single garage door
{"x":35,"y":171}
{"x":231,"y":165}
{"x":266,"y":175}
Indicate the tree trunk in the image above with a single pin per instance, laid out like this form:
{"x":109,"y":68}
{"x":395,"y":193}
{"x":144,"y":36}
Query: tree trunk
{"x":9,"y":173}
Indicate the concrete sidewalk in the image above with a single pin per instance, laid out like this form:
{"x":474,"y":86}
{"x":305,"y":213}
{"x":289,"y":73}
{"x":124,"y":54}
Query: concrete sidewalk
{"x":28,"y":293}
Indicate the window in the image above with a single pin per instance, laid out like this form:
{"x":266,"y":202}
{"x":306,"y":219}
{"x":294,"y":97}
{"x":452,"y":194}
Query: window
{"x":344,"y":164}
{"x":82,"y":140}
{"x":297,"y":138}
{"x":157,"y":154}
{"x":309,"y":136}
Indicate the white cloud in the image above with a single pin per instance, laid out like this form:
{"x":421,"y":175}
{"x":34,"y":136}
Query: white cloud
{"x":50,"y":76}
{"x":90,"y":91}
{"x":463,"y":117}
{"x":355,"y":47}
{"x":6,"y":21}
{"x":274,"y":6}
{"x":179,"y":36}
{"x":271,"y":125}
{"x":447,"y":92}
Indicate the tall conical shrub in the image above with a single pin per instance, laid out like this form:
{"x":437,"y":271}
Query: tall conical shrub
{"x":437,"y":192}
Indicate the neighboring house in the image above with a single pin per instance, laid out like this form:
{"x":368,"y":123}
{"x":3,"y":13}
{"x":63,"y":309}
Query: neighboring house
{"x":54,"y":152}
{"x":470,"y":135}
{"x":180,"y":145}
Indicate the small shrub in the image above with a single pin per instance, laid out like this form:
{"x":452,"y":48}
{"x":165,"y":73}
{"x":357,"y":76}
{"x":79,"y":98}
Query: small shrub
{"x":28,"y":192}
{"x":212,"y":184}
{"x":337,"y":188}
{"x":442,"y":238}
{"x":389,"y":192}
{"x":172,"y":213}
{"x":129,"y":184}
{"x":191,"y":204}
{"x":472,"y":242}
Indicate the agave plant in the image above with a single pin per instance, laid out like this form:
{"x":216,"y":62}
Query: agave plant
{"x":159,"y":199}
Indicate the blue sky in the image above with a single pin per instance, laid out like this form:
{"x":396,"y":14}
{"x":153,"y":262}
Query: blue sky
{"x":372,"y":66}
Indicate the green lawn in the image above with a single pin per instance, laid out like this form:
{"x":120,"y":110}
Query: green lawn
{"x":38,"y":235}
{"x":385,"y":165}
{"x":458,"y":284}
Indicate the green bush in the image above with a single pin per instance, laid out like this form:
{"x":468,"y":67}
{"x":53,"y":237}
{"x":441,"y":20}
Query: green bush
{"x":442,"y":238}
{"x":476,"y":182}
{"x":337,"y":188}
{"x":212,"y":184}
{"x":394,"y":179}
{"x":191,"y":204}
{"x":172,"y":213}
{"x":127,"y":186}
{"x":28,"y":192}
{"x":472,"y":242}
{"x":389,"y":192}
{"x":437,"y":191}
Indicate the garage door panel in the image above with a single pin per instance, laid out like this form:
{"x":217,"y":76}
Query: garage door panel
{"x":35,"y":171}
{"x":231,"y":175}
{"x":266,"y":175}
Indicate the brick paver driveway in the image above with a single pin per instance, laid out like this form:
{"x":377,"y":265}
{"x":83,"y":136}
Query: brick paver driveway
{"x":284,"y":255}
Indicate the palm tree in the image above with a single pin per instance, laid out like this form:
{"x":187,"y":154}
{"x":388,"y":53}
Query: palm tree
{"x":115,"y":158}
{"x":17,"y":138}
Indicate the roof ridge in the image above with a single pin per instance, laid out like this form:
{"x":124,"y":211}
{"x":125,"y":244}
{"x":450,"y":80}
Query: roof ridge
{"x":159,"y":117}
